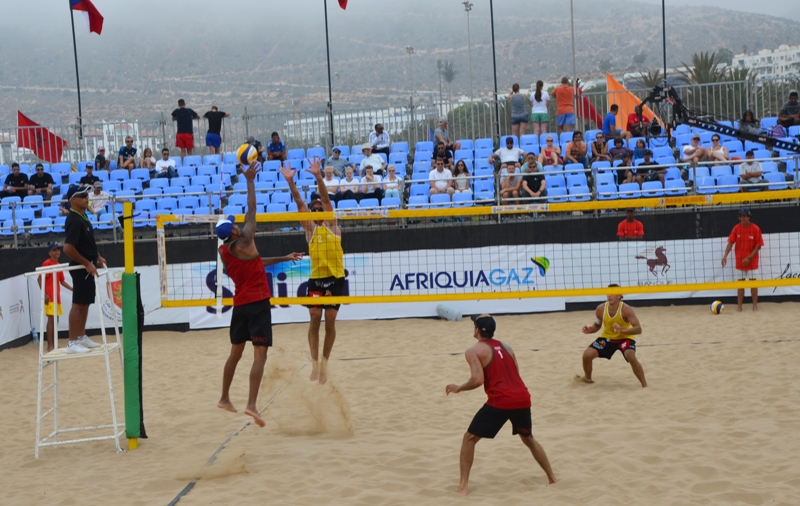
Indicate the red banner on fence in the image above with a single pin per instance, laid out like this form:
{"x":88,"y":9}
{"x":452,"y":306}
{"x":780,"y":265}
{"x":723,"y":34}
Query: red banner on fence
{"x":45,"y":144}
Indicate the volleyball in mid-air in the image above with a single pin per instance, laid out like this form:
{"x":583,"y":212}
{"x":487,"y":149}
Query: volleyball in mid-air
{"x":246,"y":154}
{"x":717,"y":307}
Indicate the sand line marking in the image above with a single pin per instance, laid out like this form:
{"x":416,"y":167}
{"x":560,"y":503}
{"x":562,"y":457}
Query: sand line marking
{"x":213,"y":457}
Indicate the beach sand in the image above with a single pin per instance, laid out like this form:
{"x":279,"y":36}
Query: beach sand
{"x":718,"y":424}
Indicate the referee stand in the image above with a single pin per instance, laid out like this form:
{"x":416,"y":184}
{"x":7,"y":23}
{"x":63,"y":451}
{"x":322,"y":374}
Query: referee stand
{"x":53,"y":358}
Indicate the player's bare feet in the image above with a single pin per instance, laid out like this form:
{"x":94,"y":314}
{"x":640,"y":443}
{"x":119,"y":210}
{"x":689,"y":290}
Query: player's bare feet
{"x":256,"y":417}
{"x":227,"y":406}
{"x":462,"y":491}
{"x":323,"y":378}
{"x":739,"y":309}
{"x":551,"y":479}
{"x":584,"y":378}
{"x":755,"y":307}
{"x":323,"y":371}
{"x":314,"y":371}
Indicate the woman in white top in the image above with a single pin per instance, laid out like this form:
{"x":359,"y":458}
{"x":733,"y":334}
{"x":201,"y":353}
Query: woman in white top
{"x":350,"y":185}
{"x":539,"y":116}
{"x":392,"y":185}
{"x":332,"y":184}
{"x":147,"y":161}
{"x":370,"y":185}
{"x":717,"y":152}
{"x":461,"y":173}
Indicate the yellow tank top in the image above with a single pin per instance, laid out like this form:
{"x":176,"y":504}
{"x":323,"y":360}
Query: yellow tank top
{"x":327,"y":257}
{"x":609,"y":321}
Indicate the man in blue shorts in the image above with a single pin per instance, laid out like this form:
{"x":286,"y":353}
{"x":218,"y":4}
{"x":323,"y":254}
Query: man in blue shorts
{"x":565,"y":107}
{"x":213,"y":137}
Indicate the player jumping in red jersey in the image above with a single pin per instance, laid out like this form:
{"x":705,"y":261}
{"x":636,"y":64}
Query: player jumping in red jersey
{"x":493,"y":364}
{"x":252,"y":318}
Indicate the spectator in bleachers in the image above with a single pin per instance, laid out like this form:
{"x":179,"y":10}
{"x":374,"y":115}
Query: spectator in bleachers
{"x":610,"y":125}
{"x":519,"y":113}
{"x":276,"y":149}
{"x":638,"y":151}
{"x":750,"y":172}
{"x":790,"y":112}
{"x":41,"y":183}
{"x":442,"y":135}
{"x":184,"y":138}
{"x":531,"y":164}
{"x":337,"y":162}
{"x":370,"y":185}
{"x":625,"y":171}
{"x":441,"y":151}
{"x":147,"y":161}
{"x":644,"y":174}
{"x":379,"y":140}
{"x":392,"y":185}
{"x":98,"y":200}
{"x":508,"y":156}
{"x":630,"y":229}
{"x":442,"y":179}
{"x":565,"y":111}
{"x":165,"y":167}
{"x":350,"y":185}
{"x":510,"y":183}
{"x":540,"y":119}
{"x":90,"y":178}
{"x":372,"y":159}
{"x":548,"y":155}
{"x":717,"y":152}
{"x":100,"y":160}
{"x":600,"y":149}
{"x":16,"y":183}
{"x":533,"y":184}
{"x":214,"y":136}
{"x":577,"y":150}
{"x":619,"y":150}
{"x":749,"y":124}
{"x":331,"y":184}
{"x":637,"y":125}
{"x":461,"y":175}
{"x":694,"y":152}
{"x":127,"y":155}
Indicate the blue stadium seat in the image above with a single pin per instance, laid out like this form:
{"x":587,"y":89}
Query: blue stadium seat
{"x":212,"y":160}
{"x":152,"y":192}
{"x":296,"y":154}
{"x":777,"y":181}
{"x":166,"y":203}
{"x":706,"y":185}
{"x":140,"y":174}
{"x":607,"y":189}
{"x":280,"y":198}
{"x":7,"y":228}
{"x":682,"y":129}
{"x":440,"y":200}
{"x":229,"y":158}
{"x":189,"y":172}
{"x":576,"y":180}
{"x":179,"y":181}
{"x":391,"y":202}
{"x":33,"y":202}
{"x":767,"y":123}
{"x":347,"y":204}
{"x":664,"y":151}
{"x":555,"y":181}
{"x":50,"y":212}
{"x":107,"y":221}
{"x":483,"y":153}
{"x":420,"y":189}
{"x":557,"y":194}
{"x":232,"y":210}
{"x":421,"y":156}
{"x":462,"y":199}
{"x":117,"y":175}
{"x":193,"y":160}
{"x":398,"y":147}
{"x":356,"y":158}
{"x":466,"y":144}
{"x":673,"y":174}
{"x":484,"y":143}
{"x":190,"y":202}
{"x":426,"y":146}
{"x":573,"y":168}
{"x":276,"y":208}
{"x":630,"y":191}
{"x":415,"y":202}
{"x":112,"y":187}
{"x":397,"y":159}
{"x":579,"y":194}
{"x":41,"y":226}
{"x":728,"y":184}
{"x":61,"y":169}
{"x":718,"y":171}
{"x":699,"y":172}
{"x":463,"y":154}
{"x":6,"y":202}
{"x":652,"y":189}
{"x":316,"y":151}
{"x":132,"y":185}
{"x":674,"y":187}
{"x":208,"y":170}
{"x":367,"y":203}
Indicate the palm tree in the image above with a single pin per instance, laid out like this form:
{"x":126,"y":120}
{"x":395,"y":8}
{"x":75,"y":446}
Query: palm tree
{"x":704,"y":70}
{"x":652,"y":79}
{"x":449,"y":73}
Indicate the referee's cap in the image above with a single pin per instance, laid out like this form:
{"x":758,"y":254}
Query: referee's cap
{"x":224,"y":227}
{"x":485,"y":323}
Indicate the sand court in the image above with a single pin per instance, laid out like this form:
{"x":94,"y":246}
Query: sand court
{"x":718,"y":423}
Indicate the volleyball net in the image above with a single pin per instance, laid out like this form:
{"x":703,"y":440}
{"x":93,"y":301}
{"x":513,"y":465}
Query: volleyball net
{"x":566,"y":249}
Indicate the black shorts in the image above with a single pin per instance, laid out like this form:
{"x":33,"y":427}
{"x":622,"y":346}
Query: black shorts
{"x":488,"y":421}
{"x":84,"y":289}
{"x":326,"y":287}
{"x":607,"y":347}
{"x":252,"y":322}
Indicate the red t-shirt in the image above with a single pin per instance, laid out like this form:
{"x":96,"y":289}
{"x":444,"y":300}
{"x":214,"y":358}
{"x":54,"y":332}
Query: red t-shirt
{"x":247,"y":274}
{"x":48,"y":282}
{"x":633,"y":119}
{"x":745,"y":240}
{"x":635,"y":229}
{"x":502,"y":383}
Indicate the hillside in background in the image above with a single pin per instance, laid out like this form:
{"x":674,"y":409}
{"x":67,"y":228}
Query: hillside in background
{"x":132,"y":73}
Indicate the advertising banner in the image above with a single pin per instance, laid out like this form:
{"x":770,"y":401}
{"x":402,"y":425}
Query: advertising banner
{"x":14,"y":309}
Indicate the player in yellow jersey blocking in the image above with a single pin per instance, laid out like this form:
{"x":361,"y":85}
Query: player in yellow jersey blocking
{"x":327,"y":266}
{"x":620,"y":325}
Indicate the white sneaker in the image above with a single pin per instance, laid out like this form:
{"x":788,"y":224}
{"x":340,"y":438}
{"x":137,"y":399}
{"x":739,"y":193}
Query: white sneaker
{"x":76,"y":347}
{"x":87,"y":343}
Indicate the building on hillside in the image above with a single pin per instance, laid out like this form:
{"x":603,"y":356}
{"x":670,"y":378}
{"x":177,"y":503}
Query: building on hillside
{"x":781,"y":63}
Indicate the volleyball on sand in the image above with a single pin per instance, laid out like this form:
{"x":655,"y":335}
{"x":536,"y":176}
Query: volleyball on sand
{"x":246,"y":154}
{"x":717,"y":307}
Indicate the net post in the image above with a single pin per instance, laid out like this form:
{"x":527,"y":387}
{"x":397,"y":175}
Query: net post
{"x":130,"y":337}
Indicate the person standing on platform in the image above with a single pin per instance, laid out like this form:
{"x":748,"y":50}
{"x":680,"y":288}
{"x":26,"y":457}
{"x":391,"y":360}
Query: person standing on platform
{"x":214,"y":134}
{"x":327,"y":267}
{"x":251,"y":319}
{"x":747,"y":238}
{"x":184,"y":138}
{"x":52,"y":304}
{"x":492,"y":363}
{"x":80,"y":247}
{"x":565,"y":109}
{"x":619,"y":324}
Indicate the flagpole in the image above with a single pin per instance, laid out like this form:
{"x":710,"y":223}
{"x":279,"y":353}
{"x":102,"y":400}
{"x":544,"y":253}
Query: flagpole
{"x":330,"y":92}
{"x":494,"y":66}
{"x":78,"y":80}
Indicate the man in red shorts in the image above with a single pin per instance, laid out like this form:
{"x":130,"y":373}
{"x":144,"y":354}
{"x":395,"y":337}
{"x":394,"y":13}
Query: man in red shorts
{"x":184,"y":139}
{"x":747,"y":238}
{"x":493,"y":364}
{"x":251,"y":319}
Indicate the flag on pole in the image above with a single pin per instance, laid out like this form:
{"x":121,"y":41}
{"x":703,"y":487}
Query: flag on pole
{"x":627,"y":102}
{"x":343,"y":4}
{"x":45,"y":144}
{"x":93,"y":17}
{"x":587,"y":109}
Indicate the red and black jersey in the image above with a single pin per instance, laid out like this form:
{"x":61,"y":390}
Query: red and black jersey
{"x":502,"y":382}
{"x":247,"y":274}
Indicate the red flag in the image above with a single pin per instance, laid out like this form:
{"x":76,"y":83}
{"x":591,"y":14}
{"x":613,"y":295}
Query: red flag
{"x":343,"y":4}
{"x":93,"y":17}
{"x":587,"y":109}
{"x":45,"y":144}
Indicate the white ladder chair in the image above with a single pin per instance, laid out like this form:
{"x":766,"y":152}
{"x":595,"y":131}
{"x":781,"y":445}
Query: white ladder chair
{"x":53,"y":358}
